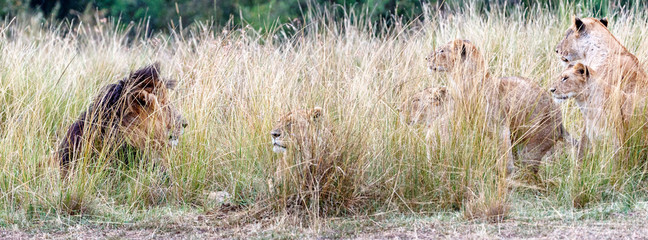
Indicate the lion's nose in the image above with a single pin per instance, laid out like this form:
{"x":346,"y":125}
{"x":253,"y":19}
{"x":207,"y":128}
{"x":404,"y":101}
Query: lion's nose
{"x":184,"y":123}
{"x":275,"y":134}
{"x":552,"y":90}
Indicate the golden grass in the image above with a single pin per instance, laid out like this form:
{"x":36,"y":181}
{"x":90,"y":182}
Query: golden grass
{"x":234,"y":84}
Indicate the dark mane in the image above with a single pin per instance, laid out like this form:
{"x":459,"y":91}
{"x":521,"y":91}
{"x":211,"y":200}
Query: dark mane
{"x":107,"y":111}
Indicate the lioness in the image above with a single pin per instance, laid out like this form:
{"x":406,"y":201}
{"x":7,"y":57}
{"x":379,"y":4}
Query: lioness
{"x":526,"y":115}
{"x":134,"y":113}
{"x":589,"y":42}
{"x":605,"y":108}
{"x":309,"y":155}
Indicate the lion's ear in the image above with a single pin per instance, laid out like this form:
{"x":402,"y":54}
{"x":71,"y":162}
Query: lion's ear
{"x":582,"y":69}
{"x":460,"y":47}
{"x":143,"y":98}
{"x":604,"y":21}
{"x":316,"y":113}
{"x":442,"y":93}
{"x":579,"y":25}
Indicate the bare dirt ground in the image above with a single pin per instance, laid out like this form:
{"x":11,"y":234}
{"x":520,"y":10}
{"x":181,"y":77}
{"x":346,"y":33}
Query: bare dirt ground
{"x":633,"y":225}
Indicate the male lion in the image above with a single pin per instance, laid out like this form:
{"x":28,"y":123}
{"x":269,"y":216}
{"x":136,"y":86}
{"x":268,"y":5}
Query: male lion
{"x":135,"y":112}
{"x":606,"y":109}
{"x":589,"y":41}
{"x":526,"y":116}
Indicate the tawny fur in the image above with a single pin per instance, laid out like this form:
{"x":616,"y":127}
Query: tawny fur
{"x":589,"y":42}
{"x":305,"y":138}
{"x":426,"y":106}
{"x":134,"y":113}
{"x":525,"y":114}
{"x":606,"y":109}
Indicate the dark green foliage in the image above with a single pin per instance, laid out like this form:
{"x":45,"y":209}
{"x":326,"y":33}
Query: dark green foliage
{"x":264,"y":14}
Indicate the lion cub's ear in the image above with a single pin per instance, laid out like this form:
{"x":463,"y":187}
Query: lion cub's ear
{"x":441,"y":94}
{"x":443,"y":91}
{"x":582,"y":69}
{"x":316,"y":113}
{"x":604,"y":21}
{"x":459,"y":46}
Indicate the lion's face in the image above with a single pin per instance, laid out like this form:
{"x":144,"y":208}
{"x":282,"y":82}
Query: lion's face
{"x":446,"y":57}
{"x":442,"y":59}
{"x":150,"y":118}
{"x":425,"y":106}
{"x":573,"y":46}
{"x":293,"y":127}
{"x":571,"y":83}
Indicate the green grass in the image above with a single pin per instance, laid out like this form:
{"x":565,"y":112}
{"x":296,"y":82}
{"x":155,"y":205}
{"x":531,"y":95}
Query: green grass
{"x":234,"y":85}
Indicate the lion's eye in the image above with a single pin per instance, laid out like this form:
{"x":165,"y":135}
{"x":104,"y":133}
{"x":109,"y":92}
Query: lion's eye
{"x":441,"y":51}
{"x":564,"y":79}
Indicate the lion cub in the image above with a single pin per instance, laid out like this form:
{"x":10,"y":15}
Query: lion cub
{"x":605,"y":108}
{"x":525,"y":114}
{"x":426,"y":107}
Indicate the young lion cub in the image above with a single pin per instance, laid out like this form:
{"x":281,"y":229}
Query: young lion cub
{"x":426,"y":107}
{"x":605,"y":108}
{"x":525,"y":115}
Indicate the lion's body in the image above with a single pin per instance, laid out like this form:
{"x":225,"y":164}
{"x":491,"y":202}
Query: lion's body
{"x":427,"y":107}
{"x":525,"y":115}
{"x":589,"y":42}
{"x":134,"y":112}
{"x":309,"y":151}
{"x":606,"y":109}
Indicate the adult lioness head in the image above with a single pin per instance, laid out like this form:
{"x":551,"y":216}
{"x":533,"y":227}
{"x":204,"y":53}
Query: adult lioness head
{"x":571,"y":83}
{"x":135,"y":111}
{"x":456,"y":54}
{"x":425,"y":106}
{"x":295,"y":128}
{"x":577,"y":38}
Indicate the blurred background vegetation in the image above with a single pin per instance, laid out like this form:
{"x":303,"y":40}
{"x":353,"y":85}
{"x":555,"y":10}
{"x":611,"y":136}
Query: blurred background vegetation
{"x":260,"y":14}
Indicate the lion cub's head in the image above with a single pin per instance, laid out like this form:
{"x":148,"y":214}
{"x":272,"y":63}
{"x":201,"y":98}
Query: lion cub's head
{"x":454,"y":55}
{"x":297,"y":128}
{"x":576,"y":41}
{"x":571,"y":83}
{"x":425,"y":106}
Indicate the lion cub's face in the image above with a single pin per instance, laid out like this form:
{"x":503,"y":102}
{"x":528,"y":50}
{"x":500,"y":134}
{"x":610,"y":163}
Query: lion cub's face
{"x":294,"y":127}
{"x":445,"y":57}
{"x":151,"y":119}
{"x":572,"y":81}
{"x":425,"y":106}
{"x":573,"y":46}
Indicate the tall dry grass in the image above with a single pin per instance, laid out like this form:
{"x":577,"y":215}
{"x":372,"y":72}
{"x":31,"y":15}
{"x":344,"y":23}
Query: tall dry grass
{"x":233,"y":85}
